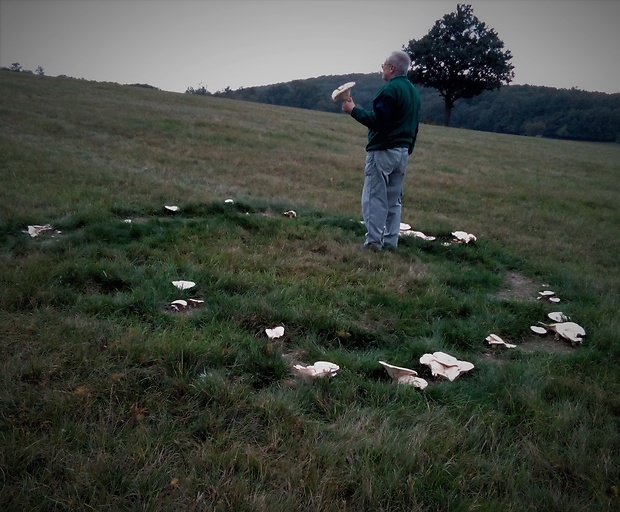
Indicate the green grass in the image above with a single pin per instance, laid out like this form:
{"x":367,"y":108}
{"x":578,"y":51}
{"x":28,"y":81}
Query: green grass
{"x":110,"y":401}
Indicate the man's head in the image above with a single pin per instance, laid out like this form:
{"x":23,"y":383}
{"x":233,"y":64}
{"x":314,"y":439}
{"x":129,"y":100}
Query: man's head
{"x":397,"y":63}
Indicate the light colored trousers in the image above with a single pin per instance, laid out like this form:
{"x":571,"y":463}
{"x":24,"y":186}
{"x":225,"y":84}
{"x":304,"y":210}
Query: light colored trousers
{"x":384,"y":175}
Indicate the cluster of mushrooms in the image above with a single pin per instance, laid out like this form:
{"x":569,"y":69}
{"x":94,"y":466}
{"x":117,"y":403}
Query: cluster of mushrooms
{"x":441,"y":364}
{"x":458,"y":237}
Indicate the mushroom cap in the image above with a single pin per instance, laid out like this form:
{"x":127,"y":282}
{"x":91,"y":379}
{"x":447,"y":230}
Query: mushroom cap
{"x":463,"y":236}
{"x":417,"y":234}
{"x":318,"y":369}
{"x":276,"y":332}
{"x":449,"y":372}
{"x":397,"y":372}
{"x":404,"y":226}
{"x":35,"y":230}
{"x":569,"y":330}
{"x":546,"y":293}
{"x":172,"y":208}
{"x":445,"y":365}
{"x":446,"y":359}
{"x":184,"y":285}
{"x":538,"y":330}
{"x":412,"y":380}
{"x":557,"y":316}
{"x":494,"y":339}
{"x":343,"y":92}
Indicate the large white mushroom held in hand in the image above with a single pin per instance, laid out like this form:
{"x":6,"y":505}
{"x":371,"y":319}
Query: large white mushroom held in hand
{"x":343,"y":93}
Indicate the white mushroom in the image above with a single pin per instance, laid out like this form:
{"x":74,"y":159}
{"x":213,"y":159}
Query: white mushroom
{"x":404,"y":375}
{"x":276,"y":332}
{"x":568,"y":330}
{"x":36,"y":230}
{"x":538,"y":330}
{"x":181,"y":304}
{"x":290,"y":213}
{"x":557,"y":316}
{"x":229,"y":201}
{"x":343,"y":92}
{"x":464,"y":237}
{"x":172,"y":208}
{"x":546,"y":293}
{"x":494,"y":339}
{"x":445,"y":365}
{"x":404,"y":227}
{"x":411,"y":380}
{"x":318,"y":369}
{"x":417,"y":234}
{"x":184,"y":285}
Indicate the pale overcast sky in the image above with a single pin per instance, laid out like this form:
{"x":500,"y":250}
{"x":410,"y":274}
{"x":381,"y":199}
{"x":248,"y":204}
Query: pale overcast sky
{"x":173,"y":45}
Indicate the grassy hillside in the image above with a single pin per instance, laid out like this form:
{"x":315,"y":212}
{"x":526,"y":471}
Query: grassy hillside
{"x":111,"y":400}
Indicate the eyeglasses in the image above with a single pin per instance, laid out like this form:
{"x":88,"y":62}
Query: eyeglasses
{"x":386,"y":64}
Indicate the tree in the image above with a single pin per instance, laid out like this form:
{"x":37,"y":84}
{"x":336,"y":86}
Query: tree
{"x":16,"y":66}
{"x":201,"y":91}
{"x":39,"y":71}
{"x":460,"y":57}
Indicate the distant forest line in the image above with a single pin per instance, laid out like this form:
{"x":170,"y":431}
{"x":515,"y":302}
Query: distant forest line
{"x":529,"y":110}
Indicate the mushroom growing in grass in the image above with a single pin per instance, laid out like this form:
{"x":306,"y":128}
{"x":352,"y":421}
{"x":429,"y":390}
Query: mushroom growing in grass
{"x":178,"y":305}
{"x":538,"y":330}
{"x":404,"y":375}
{"x":318,"y":369}
{"x":568,"y":330}
{"x":495,"y":340}
{"x":463,"y":237}
{"x":36,"y":230}
{"x":172,"y":208}
{"x":182,"y":305}
{"x":416,"y":234}
{"x":558,"y":316}
{"x":548,"y":295}
{"x":445,"y":365}
{"x":343,"y":92}
{"x":276,"y":332}
{"x":184,"y":285}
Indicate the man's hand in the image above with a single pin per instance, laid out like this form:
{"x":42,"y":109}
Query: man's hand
{"x":348,"y":106}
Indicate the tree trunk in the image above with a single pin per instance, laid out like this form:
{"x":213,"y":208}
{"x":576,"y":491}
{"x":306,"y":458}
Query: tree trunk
{"x":447,"y":112}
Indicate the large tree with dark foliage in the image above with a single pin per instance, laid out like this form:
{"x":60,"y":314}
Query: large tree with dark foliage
{"x":460,"y":57}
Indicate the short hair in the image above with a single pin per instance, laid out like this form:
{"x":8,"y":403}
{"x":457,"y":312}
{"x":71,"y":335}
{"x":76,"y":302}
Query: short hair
{"x":400,"y":60}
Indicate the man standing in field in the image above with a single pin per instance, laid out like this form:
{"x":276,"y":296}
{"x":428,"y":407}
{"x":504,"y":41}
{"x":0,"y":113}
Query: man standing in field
{"x":392,"y":130}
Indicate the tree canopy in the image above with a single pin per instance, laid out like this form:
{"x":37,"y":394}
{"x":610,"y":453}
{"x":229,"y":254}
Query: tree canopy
{"x":460,"y":57}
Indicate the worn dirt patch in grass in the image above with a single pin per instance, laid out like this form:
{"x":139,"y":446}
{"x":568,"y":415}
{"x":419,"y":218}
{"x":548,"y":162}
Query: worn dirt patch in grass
{"x":532,"y":345}
{"x":518,"y":287}
{"x":547,"y":344}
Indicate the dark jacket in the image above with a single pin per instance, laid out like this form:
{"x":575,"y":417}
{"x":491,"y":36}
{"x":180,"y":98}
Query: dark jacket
{"x":394,"y":118}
